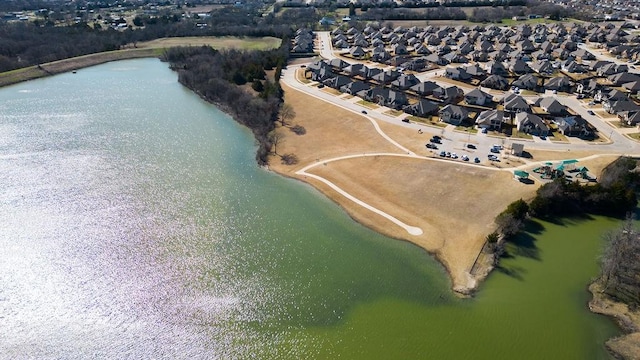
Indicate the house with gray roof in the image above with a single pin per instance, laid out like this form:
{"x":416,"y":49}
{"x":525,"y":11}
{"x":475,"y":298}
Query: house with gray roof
{"x":495,"y":82}
{"x":526,"y":81}
{"x":515,"y":103}
{"x":423,"y":108}
{"x":559,"y":83}
{"x":531,"y":124}
{"x":491,"y":119}
{"x":453,"y":114}
{"x":425,"y":88}
{"x":551,"y":106}
{"x":477,"y":97}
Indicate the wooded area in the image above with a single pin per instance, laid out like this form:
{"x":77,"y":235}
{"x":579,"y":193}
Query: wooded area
{"x":218,"y":76}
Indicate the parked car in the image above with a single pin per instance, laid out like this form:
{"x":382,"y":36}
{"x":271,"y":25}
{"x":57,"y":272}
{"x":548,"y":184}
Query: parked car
{"x":320,"y":86}
{"x":580,"y":96}
{"x":454,"y":155}
{"x":590,"y":112}
{"x":435,"y":140}
{"x":443,"y":154}
{"x":436,"y":137}
{"x":448,"y":154}
{"x":484,"y":130}
{"x":476,"y":160}
{"x":431,"y":146}
{"x":495,"y":150}
{"x":405,"y":120}
{"x":471,"y":146}
{"x":464,"y":158}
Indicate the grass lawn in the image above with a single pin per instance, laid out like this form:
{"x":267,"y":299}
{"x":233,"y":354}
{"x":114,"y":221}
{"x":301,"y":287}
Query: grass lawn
{"x":348,"y":96}
{"x":521,"y":135}
{"x":394,"y":113}
{"x":556,"y":136}
{"x":216,"y":42}
{"x":465,"y":129}
{"x":368,"y":104}
{"x":331,"y":91}
{"x":433,"y":121}
{"x":617,"y":124}
{"x":634,"y":136}
{"x":301,"y":78}
{"x":511,"y":22}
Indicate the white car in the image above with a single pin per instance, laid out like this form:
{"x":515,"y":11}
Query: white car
{"x":454,"y":155}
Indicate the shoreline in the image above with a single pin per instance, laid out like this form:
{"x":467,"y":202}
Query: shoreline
{"x":62,"y":66}
{"x":627,"y":345}
{"x":616,"y":345}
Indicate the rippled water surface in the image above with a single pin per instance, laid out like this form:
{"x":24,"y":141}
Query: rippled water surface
{"x":136,"y":224}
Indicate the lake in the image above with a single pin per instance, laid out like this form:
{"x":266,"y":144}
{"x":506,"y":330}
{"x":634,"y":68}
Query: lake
{"x":136,"y":224}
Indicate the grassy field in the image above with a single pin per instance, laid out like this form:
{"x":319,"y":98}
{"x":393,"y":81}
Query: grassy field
{"x":222,"y":42}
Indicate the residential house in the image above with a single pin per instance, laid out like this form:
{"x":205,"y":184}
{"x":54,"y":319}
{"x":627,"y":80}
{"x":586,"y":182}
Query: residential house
{"x":449,"y":94}
{"x":337,"y":82}
{"x":477,"y":97}
{"x":405,"y":81}
{"x":633,"y":87}
{"x":457,"y":74}
{"x":588,"y":87}
{"x":453,"y":114}
{"x":629,"y":118}
{"x":519,"y":67}
{"x":425,"y":88}
{"x":526,"y":81}
{"x":542,"y":67}
{"x":573,"y":126}
{"x":531,"y":124}
{"x":357,"y":52}
{"x":559,"y":83}
{"x":622,"y":78}
{"x":615,"y":107}
{"x":385,"y":97}
{"x":423,"y":108}
{"x":491,"y":119}
{"x":551,"y":106}
{"x":354,"y":87}
{"x":515,"y":103}
{"x":495,"y":82}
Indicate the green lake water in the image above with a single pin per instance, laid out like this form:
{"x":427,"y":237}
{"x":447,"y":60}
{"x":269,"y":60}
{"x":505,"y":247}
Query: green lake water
{"x":136,"y":224}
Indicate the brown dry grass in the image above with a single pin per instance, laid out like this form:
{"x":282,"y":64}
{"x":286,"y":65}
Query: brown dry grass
{"x":216,"y":42}
{"x":452,"y":203}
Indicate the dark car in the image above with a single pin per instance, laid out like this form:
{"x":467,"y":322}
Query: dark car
{"x":405,"y":120}
{"x":471,"y":146}
{"x":435,"y":140}
{"x":431,"y":146}
{"x":590,"y":112}
{"x":364,"y":112}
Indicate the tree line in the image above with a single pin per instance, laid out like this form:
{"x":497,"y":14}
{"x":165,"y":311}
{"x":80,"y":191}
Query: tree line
{"x":24,"y":44}
{"x":614,"y":195}
{"x":219,"y":77}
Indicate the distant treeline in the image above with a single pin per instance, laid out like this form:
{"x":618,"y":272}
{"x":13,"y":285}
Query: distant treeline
{"x":218,"y":76}
{"x":25,"y":44}
{"x":482,"y":12}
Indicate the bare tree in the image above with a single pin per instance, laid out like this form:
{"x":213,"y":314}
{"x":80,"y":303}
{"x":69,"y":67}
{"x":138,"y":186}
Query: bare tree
{"x":286,"y":113}
{"x":275,"y":138}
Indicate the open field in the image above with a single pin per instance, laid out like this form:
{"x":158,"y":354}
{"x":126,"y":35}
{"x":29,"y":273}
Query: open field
{"x":222,"y":42}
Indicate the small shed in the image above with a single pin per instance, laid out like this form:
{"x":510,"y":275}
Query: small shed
{"x":517,"y":149}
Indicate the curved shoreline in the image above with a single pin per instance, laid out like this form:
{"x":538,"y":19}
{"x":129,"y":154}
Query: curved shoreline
{"x":66,"y":65}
